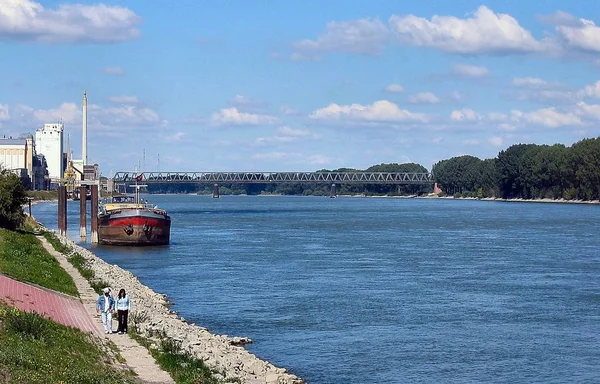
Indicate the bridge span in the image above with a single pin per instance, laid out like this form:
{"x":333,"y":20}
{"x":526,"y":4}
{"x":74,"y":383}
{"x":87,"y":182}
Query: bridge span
{"x":350,"y":177}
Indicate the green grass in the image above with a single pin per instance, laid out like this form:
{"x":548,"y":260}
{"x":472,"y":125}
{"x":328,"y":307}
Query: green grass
{"x":183,"y":368}
{"x":56,"y":243}
{"x":78,"y":261}
{"x":43,"y":195}
{"x":34,"y":349}
{"x":23,"y":258}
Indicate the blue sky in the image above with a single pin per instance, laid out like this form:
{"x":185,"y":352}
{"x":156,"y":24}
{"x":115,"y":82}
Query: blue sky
{"x":300,"y":85}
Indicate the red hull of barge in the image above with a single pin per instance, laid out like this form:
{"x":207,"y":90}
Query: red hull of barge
{"x":134,"y":228}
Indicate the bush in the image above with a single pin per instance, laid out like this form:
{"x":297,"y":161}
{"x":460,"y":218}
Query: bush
{"x":26,"y":324}
{"x":12,"y":198}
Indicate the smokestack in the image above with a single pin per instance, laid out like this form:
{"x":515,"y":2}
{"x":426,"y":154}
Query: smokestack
{"x":84,"y":134}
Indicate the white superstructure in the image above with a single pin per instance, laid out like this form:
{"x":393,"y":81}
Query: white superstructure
{"x":49,"y":142}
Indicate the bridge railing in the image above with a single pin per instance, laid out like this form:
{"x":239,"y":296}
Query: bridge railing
{"x":275,"y":177}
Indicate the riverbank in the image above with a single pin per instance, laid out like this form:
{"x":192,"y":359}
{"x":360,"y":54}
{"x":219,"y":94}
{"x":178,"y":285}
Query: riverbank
{"x":153,"y":318}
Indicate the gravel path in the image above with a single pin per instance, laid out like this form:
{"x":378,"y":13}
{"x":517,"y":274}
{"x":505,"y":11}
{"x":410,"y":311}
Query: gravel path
{"x":137,"y":357}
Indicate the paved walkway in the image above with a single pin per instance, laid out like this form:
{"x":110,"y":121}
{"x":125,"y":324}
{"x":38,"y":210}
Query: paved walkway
{"x":61,"y":308}
{"x":137,"y":357}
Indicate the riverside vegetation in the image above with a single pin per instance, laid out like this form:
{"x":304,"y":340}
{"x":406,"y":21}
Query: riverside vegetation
{"x":521,"y":171}
{"x":34,"y":349}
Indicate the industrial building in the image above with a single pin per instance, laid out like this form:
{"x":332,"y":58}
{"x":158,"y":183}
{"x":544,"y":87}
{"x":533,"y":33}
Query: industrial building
{"x":49,"y":142}
{"x":19,"y":156}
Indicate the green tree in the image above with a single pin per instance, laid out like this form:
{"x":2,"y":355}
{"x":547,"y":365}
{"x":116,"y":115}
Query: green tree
{"x":12,"y":198}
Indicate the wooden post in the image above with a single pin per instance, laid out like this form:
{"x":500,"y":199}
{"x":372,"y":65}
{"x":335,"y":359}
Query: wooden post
{"x":94,"y":213}
{"x":62,"y":210}
{"x":82,"y":211}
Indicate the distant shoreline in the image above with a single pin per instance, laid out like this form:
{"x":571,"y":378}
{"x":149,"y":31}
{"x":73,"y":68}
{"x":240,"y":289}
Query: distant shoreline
{"x":496,"y":199}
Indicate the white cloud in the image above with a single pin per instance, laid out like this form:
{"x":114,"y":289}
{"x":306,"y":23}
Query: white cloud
{"x":116,"y":71}
{"x":363,"y":36}
{"x":529,"y":82}
{"x":424,"y":98}
{"x":288,"y":110}
{"x":67,"y":112}
{"x":286,"y":134}
{"x":470,"y":70}
{"x":547,"y":117}
{"x":123,"y":99}
{"x":379,"y":111}
{"x":231,"y":116}
{"x":466,"y":114}
{"x":471,"y":142}
{"x":591,"y":90}
{"x":536,"y":89}
{"x":116,"y":119}
{"x":26,"y":20}
{"x":583,"y":36}
{"x":4,"y":113}
{"x":483,"y":32}
{"x":588,"y":111}
{"x":394,"y":88}
{"x":246,"y":102}
{"x":496,"y":141}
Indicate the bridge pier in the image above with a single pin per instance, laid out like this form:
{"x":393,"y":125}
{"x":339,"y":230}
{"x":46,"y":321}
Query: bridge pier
{"x":216,"y":191}
{"x":82,"y":211}
{"x":333,"y":191}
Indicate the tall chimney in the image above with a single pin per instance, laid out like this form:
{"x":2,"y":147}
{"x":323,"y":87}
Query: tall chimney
{"x":84,"y":134}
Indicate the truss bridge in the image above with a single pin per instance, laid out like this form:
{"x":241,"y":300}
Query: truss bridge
{"x":275,"y":177}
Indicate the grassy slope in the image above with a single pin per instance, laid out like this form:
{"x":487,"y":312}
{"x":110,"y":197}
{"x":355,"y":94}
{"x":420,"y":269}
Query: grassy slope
{"x":23,"y":257}
{"x":37,"y":350}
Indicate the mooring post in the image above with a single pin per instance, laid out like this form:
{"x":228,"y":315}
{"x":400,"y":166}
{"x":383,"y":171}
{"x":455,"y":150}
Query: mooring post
{"x":94,"y":213}
{"x":333,"y":191}
{"x":82,"y":211}
{"x":60,"y":210}
{"x":62,"y":214}
{"x":216,"y":191}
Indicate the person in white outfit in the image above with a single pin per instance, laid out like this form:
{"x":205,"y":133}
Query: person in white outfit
{"x":105,"y":305}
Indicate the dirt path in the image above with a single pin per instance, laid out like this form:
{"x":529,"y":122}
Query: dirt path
{"x":137,"y":357}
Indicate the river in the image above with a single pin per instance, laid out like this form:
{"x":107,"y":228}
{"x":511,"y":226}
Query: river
{"x":383,"y":290}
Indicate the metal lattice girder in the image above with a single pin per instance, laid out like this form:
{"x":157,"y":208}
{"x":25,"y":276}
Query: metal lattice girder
{"x":275,"y":177}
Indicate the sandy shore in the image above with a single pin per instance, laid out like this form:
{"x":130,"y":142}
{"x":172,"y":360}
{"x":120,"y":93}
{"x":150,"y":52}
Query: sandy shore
{"x":153,"y":319}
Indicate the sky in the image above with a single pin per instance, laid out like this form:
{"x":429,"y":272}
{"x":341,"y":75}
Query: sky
{"x":299,"y":85}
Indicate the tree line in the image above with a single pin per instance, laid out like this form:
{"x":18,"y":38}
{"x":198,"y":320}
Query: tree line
{"x":526,"y":171}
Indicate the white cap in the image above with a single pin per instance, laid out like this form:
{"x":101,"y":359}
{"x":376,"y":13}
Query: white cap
{"x":106,"y":290}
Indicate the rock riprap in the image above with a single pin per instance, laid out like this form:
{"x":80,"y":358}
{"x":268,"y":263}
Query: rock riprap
{"x":153,"y":319}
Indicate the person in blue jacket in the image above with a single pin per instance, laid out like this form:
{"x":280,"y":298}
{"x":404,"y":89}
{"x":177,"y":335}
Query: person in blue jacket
{"x":106,"y":306}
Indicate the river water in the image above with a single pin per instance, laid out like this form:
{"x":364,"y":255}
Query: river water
{"x":384,"y":290}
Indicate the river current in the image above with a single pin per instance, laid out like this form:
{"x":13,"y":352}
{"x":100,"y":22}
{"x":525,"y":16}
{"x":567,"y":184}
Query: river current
{"x":383,"y":290}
